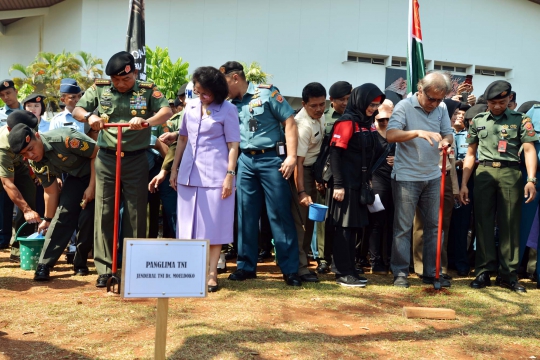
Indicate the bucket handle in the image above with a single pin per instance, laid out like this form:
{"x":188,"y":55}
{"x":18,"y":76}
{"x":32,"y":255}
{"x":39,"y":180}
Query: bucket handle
{"x":22,"y":226}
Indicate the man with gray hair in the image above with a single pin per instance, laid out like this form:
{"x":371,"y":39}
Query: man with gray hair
{"x":421,"y":127}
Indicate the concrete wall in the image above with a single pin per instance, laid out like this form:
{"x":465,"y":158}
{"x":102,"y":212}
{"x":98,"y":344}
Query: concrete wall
{"x":298,"y":41}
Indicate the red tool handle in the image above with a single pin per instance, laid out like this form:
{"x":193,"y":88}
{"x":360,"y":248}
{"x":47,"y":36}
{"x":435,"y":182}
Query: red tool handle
{"x":441,"y":215}
{"x":117,"y":189}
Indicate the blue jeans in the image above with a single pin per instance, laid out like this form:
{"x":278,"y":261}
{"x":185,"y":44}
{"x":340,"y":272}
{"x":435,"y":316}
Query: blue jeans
{"x":407,"y":196}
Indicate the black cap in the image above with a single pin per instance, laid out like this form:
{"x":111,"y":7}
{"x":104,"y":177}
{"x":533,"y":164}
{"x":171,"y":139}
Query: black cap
{"x":464,"y":106}
{"x":6,"y":84}
{"x":514,"y":96}
{"x":475,"y":110}
{"x":498,"y":90}
{"x":182,"y":90}
{"x":35,"y":98}
{"x":121,"y":63}
{"x":231,"y":66}
{"x":178,"y":102}
{"x":22,"y":117}
{"x":19,"y":137}
{"x":340,"y":89}
{"x":526,"y":106}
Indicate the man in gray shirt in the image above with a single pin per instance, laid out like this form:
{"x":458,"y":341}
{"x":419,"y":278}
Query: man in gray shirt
{"x":421,"y":127}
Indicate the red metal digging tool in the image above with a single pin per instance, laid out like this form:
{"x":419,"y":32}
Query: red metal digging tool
{"x":114,"y":281}
{"x":437,"y":282}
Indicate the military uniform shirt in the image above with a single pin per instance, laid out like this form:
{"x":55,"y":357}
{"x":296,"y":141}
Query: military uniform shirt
{"x":461,"y":144}
{"x":5,"y":111}
{"x":65,"y":119}
{"x":8,"y":160}
{"x":486,"y":131}
{"x":330,"y":117}
{"x":170,"y":125}
{"x":143,"y":100}
{"x":267,"y":107}
{"x":66,"y":150}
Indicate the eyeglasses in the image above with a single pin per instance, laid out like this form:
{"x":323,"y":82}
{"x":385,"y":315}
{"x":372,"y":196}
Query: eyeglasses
{"x":374,"y":106}
{"x":430,"y":99}
{"x":383,"y":119}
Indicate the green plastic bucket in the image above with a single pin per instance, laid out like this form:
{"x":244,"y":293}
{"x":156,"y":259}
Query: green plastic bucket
{"x":30,"y":250}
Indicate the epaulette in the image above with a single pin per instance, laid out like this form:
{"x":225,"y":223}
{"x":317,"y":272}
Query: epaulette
{"x":102,"y":82}
{"x":146,"y":84}
{"x":264,"y":86}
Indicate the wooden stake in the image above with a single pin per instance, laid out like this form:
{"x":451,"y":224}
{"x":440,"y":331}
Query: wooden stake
{"x":161,"y":328}
{"x":428,"y":313}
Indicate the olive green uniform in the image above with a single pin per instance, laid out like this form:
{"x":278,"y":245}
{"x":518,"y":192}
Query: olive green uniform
{"x":67,"y":151}
{"x":498,"y":185}
{"x":14,"y":167}
{"x":143,"y":100}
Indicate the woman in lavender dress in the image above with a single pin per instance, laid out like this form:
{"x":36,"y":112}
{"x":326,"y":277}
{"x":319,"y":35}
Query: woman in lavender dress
{"x":208,"y":149}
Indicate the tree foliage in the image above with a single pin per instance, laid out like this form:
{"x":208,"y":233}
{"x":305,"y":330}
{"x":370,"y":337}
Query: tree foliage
{"x":168,"y":76}
{"x":254,"y":73}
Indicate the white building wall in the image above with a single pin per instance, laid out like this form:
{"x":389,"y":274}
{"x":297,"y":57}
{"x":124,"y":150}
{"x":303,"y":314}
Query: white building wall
{"x":297,"y":41}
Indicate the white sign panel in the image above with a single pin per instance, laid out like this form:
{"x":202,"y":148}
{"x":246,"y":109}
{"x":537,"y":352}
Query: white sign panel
{"x":164,"y":268}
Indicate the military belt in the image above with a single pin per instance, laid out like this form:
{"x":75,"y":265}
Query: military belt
{"x":257,"y":152}
{"x":124,"y":153}
{"x":499,"y":164}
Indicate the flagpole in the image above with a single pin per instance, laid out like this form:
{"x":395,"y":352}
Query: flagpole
{"x":409,"y":48}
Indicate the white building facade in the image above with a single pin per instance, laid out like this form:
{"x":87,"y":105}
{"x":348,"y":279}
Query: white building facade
{"x":300,"y":41}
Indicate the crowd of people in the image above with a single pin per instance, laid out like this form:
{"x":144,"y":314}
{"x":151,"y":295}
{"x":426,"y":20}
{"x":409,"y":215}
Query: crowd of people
{"x":232,"y":162}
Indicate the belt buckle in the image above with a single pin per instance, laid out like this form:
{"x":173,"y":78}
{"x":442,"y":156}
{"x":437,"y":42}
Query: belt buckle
{"x":121,"y":154}
{"x":496,"y":164}
{"x":253,"y":152}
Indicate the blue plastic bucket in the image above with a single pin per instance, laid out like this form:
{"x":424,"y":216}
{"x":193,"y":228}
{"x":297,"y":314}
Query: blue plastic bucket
{"x":317,"y":212}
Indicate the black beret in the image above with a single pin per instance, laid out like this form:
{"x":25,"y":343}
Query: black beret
{"x":182,"y":90}
{"x":526,"y":106}
{"x":22,"y":117}
{"x":178,"y":102}
{"x":6,"y":84}
{"x":231,"y":66}
{"x":340,"y":89}
{"x":35,"y":98}
{"x":121,"y":63}
{"x":514,"y":96}
{"x":464,"y":106}
{"x":498,"y":90}
{"x":475,"y":110}
{"x":481,"y":100}
{"x":19,"y":137}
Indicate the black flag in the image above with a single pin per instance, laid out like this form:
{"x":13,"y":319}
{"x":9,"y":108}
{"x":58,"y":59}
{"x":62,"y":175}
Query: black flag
{"x":135,"y":42}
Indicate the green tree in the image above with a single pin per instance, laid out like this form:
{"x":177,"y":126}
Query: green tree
{"x":254,"y":73}
{"x":167,"y":76}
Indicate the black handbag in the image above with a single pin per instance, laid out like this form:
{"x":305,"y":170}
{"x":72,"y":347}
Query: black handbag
{"x":367,"y":196}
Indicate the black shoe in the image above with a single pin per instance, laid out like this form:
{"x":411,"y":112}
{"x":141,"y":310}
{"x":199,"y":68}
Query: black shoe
{"x":213,"y":288}
{"x":309,"y":278}
{"x":241,"y":275}
{"x":513,"y":285}
{"x":379,"y":270}
{"x":359,"y":270}
{"x":431,"y":280}
{"x":481,"y":281}
{"x":498,"y":280}
{"x":463,"y":272}
{"x":446,"y":276}
{"x":351,"y":281}
{"x":82,"y":271}
{"x":292,"y":279}
{"x":222,"y":270}
{"x":533,"y":277}
{"x":401,"y":281}
{"x":323,"y":267}
{"x":42,"y":273}
{"x":101,"y":281}
{"x":15,"y":258}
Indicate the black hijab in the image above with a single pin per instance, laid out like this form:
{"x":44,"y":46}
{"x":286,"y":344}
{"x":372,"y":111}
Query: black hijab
{"x":451,"y":106}
{"x":359,"y":101}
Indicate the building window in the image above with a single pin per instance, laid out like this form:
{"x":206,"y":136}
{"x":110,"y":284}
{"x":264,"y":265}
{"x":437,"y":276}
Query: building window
{"x":365,"y":58}
{"x":490,"y":72}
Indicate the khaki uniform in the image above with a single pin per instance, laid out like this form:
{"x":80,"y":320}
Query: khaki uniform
{"x":498,"y":185}
{"x":68,"y":151}
{"x":143,"y":100}
{"x":14,"y":167}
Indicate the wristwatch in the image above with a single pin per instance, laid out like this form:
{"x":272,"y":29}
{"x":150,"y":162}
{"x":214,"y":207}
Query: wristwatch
{"x":533,"y":180}
{"x":87,"y":116}
{"x":231,"y":172}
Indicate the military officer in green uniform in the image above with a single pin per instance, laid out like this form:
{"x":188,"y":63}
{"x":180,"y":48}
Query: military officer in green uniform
{"x":266,"y":162}
{"x":498,"y":135}
{"x":17,"y":184}
{"x":123,"y":99}
{"x":51,"y":154}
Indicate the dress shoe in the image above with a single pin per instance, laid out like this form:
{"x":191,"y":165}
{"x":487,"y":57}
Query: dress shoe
{"x":42,"y":273}
{"x":292,"y":279}
{"x":463,"y":272}
{"x":323,"y":267}
{"x":213,"y":288}
{"x":309,"y":277}
{"x":101,"y":281}
{"x":401,"y":281}
{"x":431,"y":280}
{"x":481,"y":281}
{"x":512,"y":285}
{"x":446,"y":276}
{"x":350,"y":281}
{"x":15,"y":258}
{"x":241,"y":275}
{"x":82,"y":271}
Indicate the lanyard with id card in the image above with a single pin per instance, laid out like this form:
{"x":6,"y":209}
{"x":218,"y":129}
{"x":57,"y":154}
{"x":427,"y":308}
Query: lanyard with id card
{"x":503,"y":142}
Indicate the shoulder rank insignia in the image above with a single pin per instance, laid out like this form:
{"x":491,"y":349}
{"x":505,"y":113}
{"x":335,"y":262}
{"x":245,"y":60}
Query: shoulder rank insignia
{"x":264,"y":86}
{"x":526,"y":120}
{"x":146,"y":84}
{"x":102,"y":82}
{"x":85,"y":146}
{"x":274,"y":93}
{"x":74,"y":143}
{"x":66,"y":141}
{"x":11,"y":169}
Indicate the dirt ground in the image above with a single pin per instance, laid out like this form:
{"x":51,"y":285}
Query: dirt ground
{"x":69,"y":318}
